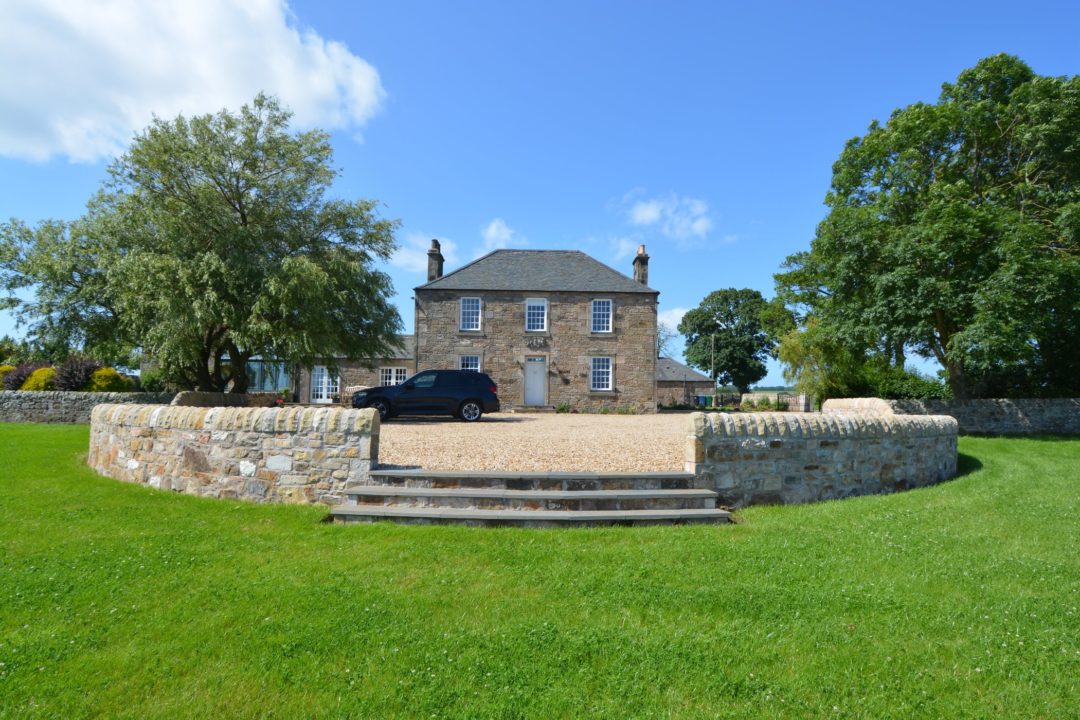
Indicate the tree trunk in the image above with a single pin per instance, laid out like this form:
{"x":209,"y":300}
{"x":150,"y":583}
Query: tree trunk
{"x":958,"y":380}
{"x":240,"y":379}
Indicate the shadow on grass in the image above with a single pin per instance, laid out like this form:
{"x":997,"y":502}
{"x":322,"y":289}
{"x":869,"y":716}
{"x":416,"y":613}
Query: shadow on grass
{"x":966,"y":464}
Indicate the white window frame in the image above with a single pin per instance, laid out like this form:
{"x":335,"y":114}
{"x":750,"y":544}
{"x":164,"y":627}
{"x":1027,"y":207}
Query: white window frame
{"x":594,"y":373}
{"x":533,"y":302}
{"x":324,"y":386}
{"x":394,"y":373}
{"x":610,"y":315}
{"x":462,"y":362}
{"x":479,"y":314}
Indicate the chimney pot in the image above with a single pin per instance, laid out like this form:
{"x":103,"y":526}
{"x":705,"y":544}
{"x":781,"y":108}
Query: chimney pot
{"x":641,"y":266}
{"x":434,"y":261}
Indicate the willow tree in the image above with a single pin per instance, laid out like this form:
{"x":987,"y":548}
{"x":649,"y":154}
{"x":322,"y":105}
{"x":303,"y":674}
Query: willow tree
{"x":212,"y":241}
{"x":953,"y":231}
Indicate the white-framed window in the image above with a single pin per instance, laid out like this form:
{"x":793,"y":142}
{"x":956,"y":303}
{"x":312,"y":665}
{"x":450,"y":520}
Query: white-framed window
{"x":601,"y":316}
{"x":470,"y":313}
{"x":392,"y":375}
{"x":324,"y":384}
{"x":469,"y":362}
{"x":536,"y":314}
{"x":600,"y":375}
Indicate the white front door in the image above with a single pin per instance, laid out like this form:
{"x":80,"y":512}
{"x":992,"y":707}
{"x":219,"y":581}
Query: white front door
{"x":535,"y":380}
{"x":324,"y":384}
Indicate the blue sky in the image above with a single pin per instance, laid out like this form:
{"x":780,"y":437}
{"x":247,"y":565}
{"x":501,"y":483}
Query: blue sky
{"x":704,"y":130}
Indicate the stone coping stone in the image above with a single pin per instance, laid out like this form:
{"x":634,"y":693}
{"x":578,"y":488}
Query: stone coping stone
{"x":388,"y":491}
{"x":264,"y":420}
{"x":779,"y":425}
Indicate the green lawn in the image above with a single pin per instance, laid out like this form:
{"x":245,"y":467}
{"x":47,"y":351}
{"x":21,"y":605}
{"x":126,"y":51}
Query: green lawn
{"x":961,"y":600}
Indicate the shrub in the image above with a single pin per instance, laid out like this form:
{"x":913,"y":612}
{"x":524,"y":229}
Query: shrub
{"x":14,"y":379}
{"x":626,"y":410}
{"x":107,"y":379}
{"x":562,"y":408}
{"x":893,"y":383}
{"x":75,"y":373}
{"x":152,"y":381}
{"x":4,"y":370}
{"x":44,"y":378}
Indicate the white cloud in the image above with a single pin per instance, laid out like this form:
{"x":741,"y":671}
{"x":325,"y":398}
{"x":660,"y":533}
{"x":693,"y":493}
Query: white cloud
{"x":498,"y":235}
{"x":671,"y":318}
{"x":683,"y":219}
{"x":80,"y":78}
{"x":623,"y":247}
{"x":412,"y":252}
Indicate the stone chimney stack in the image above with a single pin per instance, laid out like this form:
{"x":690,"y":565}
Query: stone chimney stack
{"x":641,"y":266}
{"x":434,"y":261}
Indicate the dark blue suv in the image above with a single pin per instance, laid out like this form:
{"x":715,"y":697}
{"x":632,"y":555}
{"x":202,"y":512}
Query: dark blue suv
{"x":464,"y":393}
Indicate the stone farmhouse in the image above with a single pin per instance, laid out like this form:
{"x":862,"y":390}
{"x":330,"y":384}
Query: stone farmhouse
{"x":551,"y":327}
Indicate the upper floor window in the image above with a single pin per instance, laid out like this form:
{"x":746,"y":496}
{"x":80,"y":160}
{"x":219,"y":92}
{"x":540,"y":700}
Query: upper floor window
{"x":392,"y":375}
{"x":600,"y":377}
{"x":601,"y":316}
{"x":535,"y":314}
{"x":470,"y":362}
{"x":470,"y":313}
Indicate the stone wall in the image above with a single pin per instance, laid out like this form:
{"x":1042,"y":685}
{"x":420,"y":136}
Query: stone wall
{"x":677,"y":392}
{"x":567,"y":346}
{"x":782,"y":458}
{"x":194,"y":398}
{"x":300,"y":455}
{"x":1052,"y":416}
{"x":65,"y":407}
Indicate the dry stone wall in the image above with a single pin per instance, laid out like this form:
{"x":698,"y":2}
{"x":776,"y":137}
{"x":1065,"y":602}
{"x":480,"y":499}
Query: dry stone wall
{"x":567,"y":346}
{"x":783,"y":458}
{"x":195,"y":398}
{"x":297,"y":455}
{"x":1030,"y":416}
{"x":65,"y":407}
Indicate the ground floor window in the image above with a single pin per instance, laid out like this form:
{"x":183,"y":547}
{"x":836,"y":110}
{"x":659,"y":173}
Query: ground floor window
{"x":324,"y":384}
{"x":267,"y":376}
{"x":392,"y":375}
{"x":600,"y":377}
{"x":470,"y":362}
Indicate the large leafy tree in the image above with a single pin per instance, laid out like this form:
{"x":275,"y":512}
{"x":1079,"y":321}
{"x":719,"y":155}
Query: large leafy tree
{"x":729,"y":336}
{"x":954,"y":231}
{"x":212,"y":242}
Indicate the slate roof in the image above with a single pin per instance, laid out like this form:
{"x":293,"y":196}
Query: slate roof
{"x":668,"y":370}
{"x":538,"y":271}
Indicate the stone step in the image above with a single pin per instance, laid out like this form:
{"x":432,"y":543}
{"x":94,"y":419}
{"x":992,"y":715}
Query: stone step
{"x":567,"y":481}
{"x":525,"y":518}
{"x":497,"y":498}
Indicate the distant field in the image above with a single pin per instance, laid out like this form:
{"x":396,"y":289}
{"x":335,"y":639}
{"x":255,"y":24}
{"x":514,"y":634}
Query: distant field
{"x":957,"y":601}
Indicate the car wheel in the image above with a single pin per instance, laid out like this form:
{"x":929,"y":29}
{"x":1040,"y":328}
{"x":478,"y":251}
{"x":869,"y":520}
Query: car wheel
{"x":470,"y":411}
{"x":382,"y":407}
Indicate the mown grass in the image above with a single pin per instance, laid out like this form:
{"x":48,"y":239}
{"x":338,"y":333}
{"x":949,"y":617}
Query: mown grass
{"x":954,"y":601}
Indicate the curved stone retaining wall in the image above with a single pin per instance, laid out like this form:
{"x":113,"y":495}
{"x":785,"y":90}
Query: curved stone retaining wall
{"x":1031,"y":416}
{"x":782,"y":458}
{"x":65,"y":406}
{"x":303,"y":455}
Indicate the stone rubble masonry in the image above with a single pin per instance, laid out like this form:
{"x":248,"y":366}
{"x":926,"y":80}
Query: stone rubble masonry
{"x":567,"y":345}
{"x":1022,"y":416}
{"x":786,"y":458}
{"x":291,"y":455}
{"x":194,"y":398}
{"x":66,"y":406}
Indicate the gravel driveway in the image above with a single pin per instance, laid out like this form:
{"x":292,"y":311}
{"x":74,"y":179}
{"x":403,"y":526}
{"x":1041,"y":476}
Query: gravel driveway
{"x":504,"y":441}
